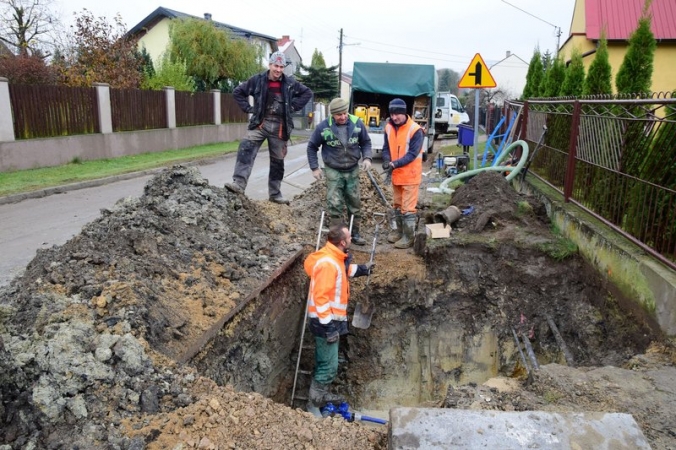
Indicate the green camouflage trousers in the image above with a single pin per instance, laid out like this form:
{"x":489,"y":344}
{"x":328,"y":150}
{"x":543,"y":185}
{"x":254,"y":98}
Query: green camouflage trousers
{"x":342,"y":192}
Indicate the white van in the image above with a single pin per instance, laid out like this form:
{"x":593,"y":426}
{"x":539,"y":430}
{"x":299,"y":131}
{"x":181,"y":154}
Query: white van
{"x":448,"y":114}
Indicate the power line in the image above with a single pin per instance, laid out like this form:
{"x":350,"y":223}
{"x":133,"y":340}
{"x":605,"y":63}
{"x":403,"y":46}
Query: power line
{"x":556,"y":28}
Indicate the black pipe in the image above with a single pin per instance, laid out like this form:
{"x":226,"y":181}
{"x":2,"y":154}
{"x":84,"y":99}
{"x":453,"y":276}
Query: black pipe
{"x":561,"y":342}
{"x":518,"y":346}
{"x":529,"y":350}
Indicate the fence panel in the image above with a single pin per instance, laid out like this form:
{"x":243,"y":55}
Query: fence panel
{"x":624,"y":166}
{"x":41,"y":111}
{"x":194,"y":108}
{"x":230,"y":110}
{"x":136,"y":109}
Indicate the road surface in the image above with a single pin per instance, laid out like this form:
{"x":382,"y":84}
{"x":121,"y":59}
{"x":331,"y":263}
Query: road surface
{"x":40,"y":223}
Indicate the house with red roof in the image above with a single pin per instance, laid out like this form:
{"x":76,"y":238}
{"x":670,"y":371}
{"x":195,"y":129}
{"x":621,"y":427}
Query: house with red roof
{"x":619,"y":19}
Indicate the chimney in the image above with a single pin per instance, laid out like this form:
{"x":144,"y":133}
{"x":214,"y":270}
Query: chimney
{"x":207,"y":16}
{"x":508,"y":54}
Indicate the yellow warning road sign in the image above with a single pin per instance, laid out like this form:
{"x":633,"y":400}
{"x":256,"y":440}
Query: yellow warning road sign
{"x":477,"y":75}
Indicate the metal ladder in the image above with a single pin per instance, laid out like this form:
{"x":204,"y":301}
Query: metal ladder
{"x":298,"y":371}
{"x":302,"y":333}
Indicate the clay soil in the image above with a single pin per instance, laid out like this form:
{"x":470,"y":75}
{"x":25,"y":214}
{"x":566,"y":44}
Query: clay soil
{"x":95,"y":333}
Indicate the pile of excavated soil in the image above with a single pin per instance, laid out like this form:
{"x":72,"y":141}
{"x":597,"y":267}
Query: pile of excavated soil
{"x":91,"y":333}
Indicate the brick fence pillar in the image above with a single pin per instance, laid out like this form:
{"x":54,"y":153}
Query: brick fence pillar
{"x":105,"y":112}
{"x":6,"y":122}
{"x":171,"y":106}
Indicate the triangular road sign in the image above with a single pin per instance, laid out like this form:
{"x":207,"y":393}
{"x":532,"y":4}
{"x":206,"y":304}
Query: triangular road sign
{"x":477,"y":75}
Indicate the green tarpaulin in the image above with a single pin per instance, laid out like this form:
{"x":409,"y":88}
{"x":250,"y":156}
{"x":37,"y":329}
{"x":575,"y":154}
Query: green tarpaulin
{"x":394,"y":79}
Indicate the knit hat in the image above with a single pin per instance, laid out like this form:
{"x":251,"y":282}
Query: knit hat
{"x":337,"y":106}
{"x":397,"y":106}
{"x":278,"y":58}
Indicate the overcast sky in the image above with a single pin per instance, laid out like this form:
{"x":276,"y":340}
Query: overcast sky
{"x":444,"y":33}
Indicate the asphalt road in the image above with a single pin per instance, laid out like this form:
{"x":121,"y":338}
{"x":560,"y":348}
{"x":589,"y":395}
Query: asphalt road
{"x":58,"y":214}
{"x":40,"y":223}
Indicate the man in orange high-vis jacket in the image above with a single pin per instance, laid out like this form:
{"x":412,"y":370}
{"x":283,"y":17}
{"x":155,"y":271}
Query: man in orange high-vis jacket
{"x":329,"y":269}
{"x":402,"y":154}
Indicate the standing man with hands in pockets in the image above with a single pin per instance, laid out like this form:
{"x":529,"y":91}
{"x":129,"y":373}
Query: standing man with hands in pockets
{"x":344,"y":141}
{"x":402,"y":154}
{"x":275,"y":97}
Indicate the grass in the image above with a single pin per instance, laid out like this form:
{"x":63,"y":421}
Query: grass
{"x":561,"y":248}
{"x":77,"y":170}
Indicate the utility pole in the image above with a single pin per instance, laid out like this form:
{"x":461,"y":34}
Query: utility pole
{"x":340,"y":60}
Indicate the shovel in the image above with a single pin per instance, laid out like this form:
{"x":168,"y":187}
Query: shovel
{"x":532,"y":156}
{"x":390,"y":212}
{"x":364,"y":310}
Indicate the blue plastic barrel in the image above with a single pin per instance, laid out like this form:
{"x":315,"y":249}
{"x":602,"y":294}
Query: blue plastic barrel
{"x":465,"y":135}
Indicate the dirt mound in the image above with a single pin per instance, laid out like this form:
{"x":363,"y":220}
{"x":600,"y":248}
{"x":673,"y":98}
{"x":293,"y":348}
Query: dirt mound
{"x":489,"y":200}
{"x":92,"y":332}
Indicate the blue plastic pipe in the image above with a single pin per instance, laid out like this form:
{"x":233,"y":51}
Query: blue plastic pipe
{"x":358,"y":416}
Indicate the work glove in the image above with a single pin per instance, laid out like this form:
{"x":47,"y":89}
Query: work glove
{"x":348,"y":261}
{"x":366,"y":164}
{"x":364,"y":269}
{"x":331,"y":332}
{"x":332,"y":337}
{"x":386,"y":165}
{"x":317,"y":173}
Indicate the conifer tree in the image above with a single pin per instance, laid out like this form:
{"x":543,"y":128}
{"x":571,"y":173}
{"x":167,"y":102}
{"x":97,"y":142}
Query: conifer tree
{"x":554,"y":78}
{"x":321,"y":79}
{"x":574,"y":79}
{"x":598,"y":80}
{"x":533,"y":77}
{"x":635,"y":73}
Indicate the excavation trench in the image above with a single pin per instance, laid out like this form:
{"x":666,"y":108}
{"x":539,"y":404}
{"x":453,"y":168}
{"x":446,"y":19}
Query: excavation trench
{"x":174,"y":320}
{"x":449,"y":319}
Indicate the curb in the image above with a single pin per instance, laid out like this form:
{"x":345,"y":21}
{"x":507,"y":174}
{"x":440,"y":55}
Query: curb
{"x":16,"y":198}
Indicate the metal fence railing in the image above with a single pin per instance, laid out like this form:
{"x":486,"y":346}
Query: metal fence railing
{"x":615,"y":158}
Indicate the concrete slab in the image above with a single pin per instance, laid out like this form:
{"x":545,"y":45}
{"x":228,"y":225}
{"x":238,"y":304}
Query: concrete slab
{"x":434,"y":428}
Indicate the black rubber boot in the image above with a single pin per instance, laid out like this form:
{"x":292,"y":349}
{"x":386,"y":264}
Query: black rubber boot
{"x":406,"y":241}
{"x":395,"y":235}
{"x":319,"y":395}
{"x":356,"y":237}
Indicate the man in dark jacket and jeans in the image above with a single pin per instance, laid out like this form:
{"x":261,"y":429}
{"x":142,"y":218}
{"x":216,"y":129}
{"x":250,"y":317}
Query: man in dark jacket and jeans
{"x":275,"y":97}
{"x":344,"y":142}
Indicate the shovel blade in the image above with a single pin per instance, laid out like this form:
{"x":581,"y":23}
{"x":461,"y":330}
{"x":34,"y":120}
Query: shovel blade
{"x":362,"y":316}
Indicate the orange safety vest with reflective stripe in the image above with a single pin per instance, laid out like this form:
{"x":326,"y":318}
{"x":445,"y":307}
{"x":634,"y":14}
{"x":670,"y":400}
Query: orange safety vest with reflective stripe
{"x":398,"y":140}
{"x":329,"y":285}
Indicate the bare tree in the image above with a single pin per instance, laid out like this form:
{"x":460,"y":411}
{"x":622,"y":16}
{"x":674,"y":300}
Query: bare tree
{"x":26,"y":26}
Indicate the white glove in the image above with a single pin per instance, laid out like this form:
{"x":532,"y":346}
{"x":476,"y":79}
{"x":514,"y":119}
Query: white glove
{"x":317,"y":173}
{"x":366,"y":164}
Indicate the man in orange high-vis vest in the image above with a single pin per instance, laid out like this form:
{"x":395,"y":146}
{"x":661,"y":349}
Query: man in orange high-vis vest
{"x":402,"y":154}
{"x":329,"y":269}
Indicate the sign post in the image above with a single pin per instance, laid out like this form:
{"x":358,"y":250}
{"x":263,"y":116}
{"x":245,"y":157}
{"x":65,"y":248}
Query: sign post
{"x":476,"y":77}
